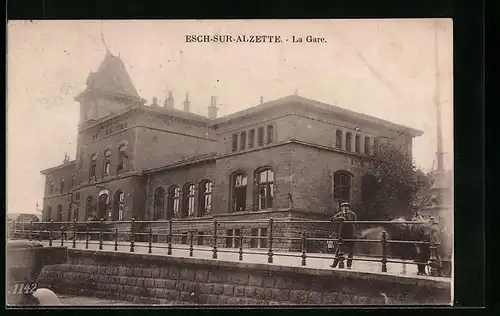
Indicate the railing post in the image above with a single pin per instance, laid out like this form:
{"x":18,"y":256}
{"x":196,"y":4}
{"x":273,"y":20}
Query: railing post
{"x":101,"y":233}
{"x":87,"y":235}
{"x":150,"y":246}
{"x":384,"y":251}
{"x":434,"y":243}
{"x":341,"y":257}
{"x":270,"y":242}
{"x":304,"y":244}
{"x":116,"y":238}
{"x":169,"y":249}
{"x":191,"y":236}
{"x":40,"y":233}
{"x":22,"y":231}
{"x":132,"y":237}
{"x":29,"y":232}
{"x":50,"y":233}
{"x":214,"y":250}
{"x":241,"y":245}
{"x":74,"y":232}
{"x":62,"y":235}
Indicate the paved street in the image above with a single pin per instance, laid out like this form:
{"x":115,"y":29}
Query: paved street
{"x":322,"y":261}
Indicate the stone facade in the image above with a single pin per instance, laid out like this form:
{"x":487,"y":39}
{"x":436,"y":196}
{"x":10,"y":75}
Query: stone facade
{"x":140,"y":150}
{"x":179,"y":281}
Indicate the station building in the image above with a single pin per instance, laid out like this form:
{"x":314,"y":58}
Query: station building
{"x":288,"y":158}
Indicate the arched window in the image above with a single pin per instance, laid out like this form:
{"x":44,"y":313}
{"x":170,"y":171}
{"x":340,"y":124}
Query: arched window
{"x":103,"y":206}
{"x":61,"y":186}
{"x":90,"y":209}
{"x":59,"y":213}
{"x":348,"y":137}
{"x":159,"y":204}
{"x":51,"y":187}
{"x":93,"y":165}
{"x":107,"y":162}
{"x":189,"y":198}
{"x":48,"y":214}
{"x":338,"y":139}
{"x":342,"y":186}
{"x":357,"y":143}
{"x":173,"y":203}
{"x":117,"y":214}
{"x":265,"y":188}
{"x":367,"y":145}
{"x":368,"y":187}
{"x":239,"y":192}
{"x":122,"y":158}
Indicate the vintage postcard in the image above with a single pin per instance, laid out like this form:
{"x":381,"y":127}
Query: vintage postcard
{"x":230,"y":162}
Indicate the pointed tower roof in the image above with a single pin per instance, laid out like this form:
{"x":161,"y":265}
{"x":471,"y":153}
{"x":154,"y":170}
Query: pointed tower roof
{"x":112,"y":77}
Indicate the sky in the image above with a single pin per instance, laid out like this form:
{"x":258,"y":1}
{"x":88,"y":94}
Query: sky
{"x":382,"y":68}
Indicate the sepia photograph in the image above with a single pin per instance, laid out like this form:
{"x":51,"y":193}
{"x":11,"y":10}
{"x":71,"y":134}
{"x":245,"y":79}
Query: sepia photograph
{"x":230,"y":163}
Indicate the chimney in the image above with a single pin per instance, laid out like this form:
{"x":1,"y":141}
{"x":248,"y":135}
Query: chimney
{"x":187,"y":103}
{"x":155,"y":102}
{"x":261,"y":99}
{"x":169,"y":102}
{"x":212,"y":108}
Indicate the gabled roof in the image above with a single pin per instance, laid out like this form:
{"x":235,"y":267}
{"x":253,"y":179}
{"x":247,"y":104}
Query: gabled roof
{"x":112,"y":77}
{"x":316,"y":105}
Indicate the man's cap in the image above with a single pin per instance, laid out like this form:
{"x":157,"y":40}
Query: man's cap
{"x":345,"y":204}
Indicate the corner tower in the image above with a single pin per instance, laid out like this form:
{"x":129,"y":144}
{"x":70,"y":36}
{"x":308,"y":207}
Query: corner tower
{"x":109,"y":90}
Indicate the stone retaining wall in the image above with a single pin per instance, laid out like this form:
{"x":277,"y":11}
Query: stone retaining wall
{"x":170,"y":280}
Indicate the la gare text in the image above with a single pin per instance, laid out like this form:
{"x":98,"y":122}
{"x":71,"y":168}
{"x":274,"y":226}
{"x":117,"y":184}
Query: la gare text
{"x":253,"y":39}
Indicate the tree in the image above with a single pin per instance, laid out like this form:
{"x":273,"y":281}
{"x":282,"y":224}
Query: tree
{"x":397,"y":182}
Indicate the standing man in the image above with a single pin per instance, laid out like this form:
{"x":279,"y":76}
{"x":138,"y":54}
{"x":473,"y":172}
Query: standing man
{"x":348,"y":232}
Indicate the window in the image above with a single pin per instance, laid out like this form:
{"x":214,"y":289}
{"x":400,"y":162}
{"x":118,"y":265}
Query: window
{"x":342,"y":186}
{"x":368,"y":187}
{"x":49,"y":213}
{"x":59,"y":213}
{"x":107,"y":162}
{"x":188,"y":200}
{"x":239,"y":184}
{"x":69,"y":213}
{"x":357,"y":143}
{"x":243,"y":140}
{"x":159,"y":204}
{"x":235,"y":142}
{"x":201,"y":238}
{"x":376,"y":143}
{"x":270,"y":133}
{"x":205,"y":198}
{"x":338,"y":139}
{"x":93,"y":164}
{"x":122,"y":158}
{"x":117,"y":214}
{"x":251,"y":138}
{"x":229,"y":238}
{"x":233,"y":238}
{"x":61,"y":186}
{"x":265,"y":188}
{"x":173,"y":207}
{"x":237,"y":234}
{"x":263,"y":238}
{"x":254,"y":241}
{"x":348,"y":137}
{"x":90,"y":209}
{"x":260,"y":135}
{"x":367,"y":145}
{"x":51,"y":187}
{"x":73,"y":181}
{"x":103,"y":206}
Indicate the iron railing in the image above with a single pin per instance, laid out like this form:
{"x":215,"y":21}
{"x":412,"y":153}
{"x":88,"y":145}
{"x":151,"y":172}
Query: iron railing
{"x":107,"y":233}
